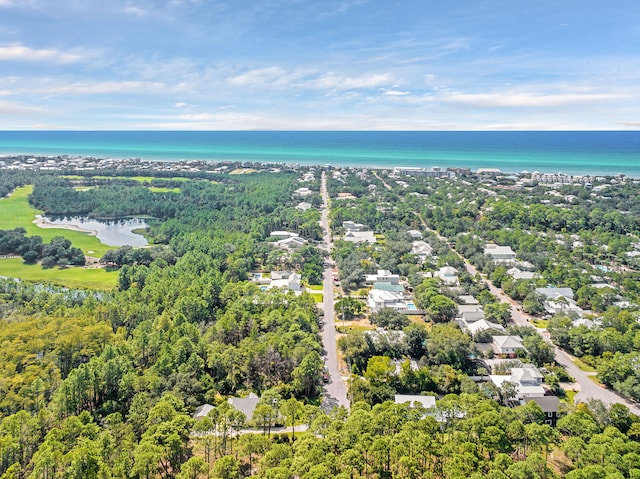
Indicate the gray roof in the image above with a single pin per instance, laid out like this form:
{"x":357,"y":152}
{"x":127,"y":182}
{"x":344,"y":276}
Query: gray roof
{"x":202,"y":411}
{"x":553,"y":293}
{"x":245,"y":405}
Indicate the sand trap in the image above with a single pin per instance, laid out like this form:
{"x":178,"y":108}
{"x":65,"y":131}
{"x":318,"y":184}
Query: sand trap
{"x":42,"y":222}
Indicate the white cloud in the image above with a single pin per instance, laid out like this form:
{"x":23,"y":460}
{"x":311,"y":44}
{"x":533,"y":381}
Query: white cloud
{"x":396,"y":93}
{"x":9,"y":108}
{"x":19,"y":52}
{"x":333,"y":81}
{"x":99,"y":88}
{"x":181,"y":105}
{"x":526,"y":99}
{"x":259,"y":76}
{"x":133,"y":10}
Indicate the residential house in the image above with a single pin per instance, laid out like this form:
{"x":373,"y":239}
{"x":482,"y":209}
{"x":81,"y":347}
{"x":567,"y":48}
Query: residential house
{"x":474,"y":327}
{"x":360,"y":237}
{"x":500,"y":254}
{"x":414,"y":234}
{"x":508,"y":345}
{"x":291,"y":243}
{"x":202,"y":411}
{"x":382,"y":276}
{"x":352,"y":226}
{"x":379,"y":299}
{"x":555,"y":293}
{"x":515,"y":273}
{"x":303,"y":206}
{"x":549,"y":405}
{"x":527,"y":381}
{"x":468,"y":299}
{"x":426,"y":402}
{"x":448,"y":275}
{"x":422,"y":250}
{"x":282,"y":234}
{"x":245,"y":405}
{"x":286,"y":280}
{"x":470,"y":312}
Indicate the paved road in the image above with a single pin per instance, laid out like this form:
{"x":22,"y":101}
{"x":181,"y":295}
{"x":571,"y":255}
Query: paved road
{"x":587,"y":388}
{"x":335,"y":390}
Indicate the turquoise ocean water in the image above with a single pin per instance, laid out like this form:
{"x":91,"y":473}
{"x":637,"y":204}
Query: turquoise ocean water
{"x":584,"y":152}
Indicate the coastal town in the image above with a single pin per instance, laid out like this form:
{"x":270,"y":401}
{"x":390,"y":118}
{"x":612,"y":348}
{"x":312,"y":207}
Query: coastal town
{"x":424,"y":285}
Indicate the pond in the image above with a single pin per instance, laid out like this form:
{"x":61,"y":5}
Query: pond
{"x":111,"y":233}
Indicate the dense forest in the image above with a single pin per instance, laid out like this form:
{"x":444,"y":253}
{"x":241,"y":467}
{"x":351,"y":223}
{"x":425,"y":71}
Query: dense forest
{"x":105,"y":384}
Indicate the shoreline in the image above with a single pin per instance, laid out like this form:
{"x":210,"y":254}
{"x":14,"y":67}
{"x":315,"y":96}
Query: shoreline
{"x":41,"y":222}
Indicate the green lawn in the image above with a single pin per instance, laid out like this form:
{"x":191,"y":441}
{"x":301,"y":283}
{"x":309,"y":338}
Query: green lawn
{"x":316,"y":287}
{"x":16,"y":211}
{"x":540,"y":323}
{"x":163,"y":189}
{"x":583,"y":366}
{"x":94,"y":278}
{"x":317,"y":297}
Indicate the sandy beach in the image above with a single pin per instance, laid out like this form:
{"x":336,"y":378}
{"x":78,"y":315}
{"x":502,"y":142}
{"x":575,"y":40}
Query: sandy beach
{"x":42,"y":222}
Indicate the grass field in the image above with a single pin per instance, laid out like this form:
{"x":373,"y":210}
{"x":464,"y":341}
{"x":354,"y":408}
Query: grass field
{"x":583,"y":366}
{"x":16,"y":211}
{"x":163,"y":189}
{"x":95,"y":278}
{"x":139,"y":179}
{"x":317,"y":297}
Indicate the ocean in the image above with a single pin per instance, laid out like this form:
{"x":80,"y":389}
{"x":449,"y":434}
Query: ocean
{"x":570,"y":152}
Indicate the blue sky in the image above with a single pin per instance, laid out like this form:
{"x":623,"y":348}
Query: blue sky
{"x":320,"y":64}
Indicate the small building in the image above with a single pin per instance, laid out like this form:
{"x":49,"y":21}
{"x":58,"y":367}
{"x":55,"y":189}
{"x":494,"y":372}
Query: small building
{"x":414,"y":234}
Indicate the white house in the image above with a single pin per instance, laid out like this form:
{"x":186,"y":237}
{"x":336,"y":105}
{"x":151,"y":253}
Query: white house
{"x":426,"y":402}
{"x":555,"y":293}
{"x":448,"y":275}
{"x":379,"y":299}
{"x":291,"y":243}
{"x":527,"y":381}
{"x":500,"y":254}
{"x":515,"y":273}
{"x":422,"y":250}
{"x":507,"y":345}
{"x":414,"y":234}
{"x":360,"y":237}
{"x":286,"y":280}
{"x":382,"y":276}
{"x":474,"y":327}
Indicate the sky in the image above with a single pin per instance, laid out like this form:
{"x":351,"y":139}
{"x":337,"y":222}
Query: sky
{"x":320,"y":64}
